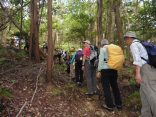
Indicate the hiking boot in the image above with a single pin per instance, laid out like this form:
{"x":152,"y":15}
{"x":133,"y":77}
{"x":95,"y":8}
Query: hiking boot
{"x":107,"y":108}
{"x":79,"y":83}
{"x":89,"y":94}
{"x":96,"y":93}
{"x":119,"y":107}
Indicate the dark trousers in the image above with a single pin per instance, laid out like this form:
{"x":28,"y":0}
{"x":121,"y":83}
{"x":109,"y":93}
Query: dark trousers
{"x":78,"y":71}
{"x":109,"y":79}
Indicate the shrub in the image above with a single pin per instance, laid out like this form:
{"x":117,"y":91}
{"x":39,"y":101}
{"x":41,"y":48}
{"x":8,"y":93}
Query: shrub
{"x":133,"y":101}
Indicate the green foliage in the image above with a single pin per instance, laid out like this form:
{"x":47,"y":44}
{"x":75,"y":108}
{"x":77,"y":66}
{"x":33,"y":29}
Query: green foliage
{"x":141,"y":18}
{"x":132,"y":81}
{"x":15,"y":2}
{"x":56,"y":91}
{"x":21,"y":54}
{"x":2,"y":61}
{"x":133,"y":101}
{"x":2,"y":50}
{"x":78,"y":20}
{"x":145,"y":20}
{"x":6,"y":93}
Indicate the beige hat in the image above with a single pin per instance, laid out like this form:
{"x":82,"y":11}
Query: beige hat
{"x":130,"y":34}
{"x":86,"y":41}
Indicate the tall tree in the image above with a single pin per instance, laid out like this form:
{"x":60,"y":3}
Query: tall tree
{"x":34,"y":32}
{"x":110,"y":23}
{"x":99,"y":20}
{"x":21,"y":23}
{"x":50,"y":43}
{"x":118,"y":22}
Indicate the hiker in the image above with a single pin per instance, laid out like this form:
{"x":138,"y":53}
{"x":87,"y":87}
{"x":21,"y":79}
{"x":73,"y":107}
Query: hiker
{"x":67,"y":61}
{"x":72,"y":70}
{"x":45,"y":47}
{"x":27,"y":44}
{"x":78,"y":66}
{"x":89,"y":69}
{"x":108,"y":79}
{"x":145,"y":75}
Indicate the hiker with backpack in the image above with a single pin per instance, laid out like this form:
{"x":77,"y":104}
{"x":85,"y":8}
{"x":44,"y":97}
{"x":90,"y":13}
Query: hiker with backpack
{"x":72,"y":67}
{"x":78,"y":66}
{"x":89,"y":68}
{"x":145,"y":72}
{"x":108,"y":67}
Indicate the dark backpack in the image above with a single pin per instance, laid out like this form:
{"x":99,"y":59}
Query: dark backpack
{"x":79,"y":55}
{"x":151,"y":51}
{"x":93,"y":54}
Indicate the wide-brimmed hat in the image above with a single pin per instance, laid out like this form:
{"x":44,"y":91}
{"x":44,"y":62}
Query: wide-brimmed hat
{"x":86,"y":41}
{"x":104,"y":42}
{"x":130,"y":34}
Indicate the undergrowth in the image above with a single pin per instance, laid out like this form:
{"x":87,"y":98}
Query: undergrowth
{"x":6,"y":93}
{"x":133,"y":101}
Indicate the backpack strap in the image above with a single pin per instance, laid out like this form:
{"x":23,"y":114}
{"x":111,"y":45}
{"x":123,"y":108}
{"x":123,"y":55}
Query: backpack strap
{"x":105,"y":49}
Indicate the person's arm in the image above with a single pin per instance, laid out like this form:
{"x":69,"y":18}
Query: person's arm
{"x":138,"y":76}
{"x":83,"y":60}
{"x":136,"y":61}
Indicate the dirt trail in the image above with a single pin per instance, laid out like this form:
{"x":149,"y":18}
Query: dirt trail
{"x":61,"y":99}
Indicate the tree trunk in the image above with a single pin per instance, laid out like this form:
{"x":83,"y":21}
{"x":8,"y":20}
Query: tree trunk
{"x":21,"y":24}
{"x":34,"y":33}
{"x":99,"y":21}
{"x":110,"y":24}
{"x":118,"y":22}
{"x":50,"y":43}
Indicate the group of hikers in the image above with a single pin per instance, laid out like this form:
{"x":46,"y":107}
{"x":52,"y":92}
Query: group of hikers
{"x":88,"y":62}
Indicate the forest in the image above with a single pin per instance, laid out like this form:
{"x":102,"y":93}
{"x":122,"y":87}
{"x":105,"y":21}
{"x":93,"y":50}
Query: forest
{"x":37,"y":35}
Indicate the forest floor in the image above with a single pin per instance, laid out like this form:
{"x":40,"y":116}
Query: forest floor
{"x":32,"y":96}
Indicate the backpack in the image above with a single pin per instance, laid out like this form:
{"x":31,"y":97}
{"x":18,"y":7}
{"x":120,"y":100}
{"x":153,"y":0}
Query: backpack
{"x":79,"y":55}
{"x":93,"y":54}
{"x":151,"y":51}
{"x":115,"y":57}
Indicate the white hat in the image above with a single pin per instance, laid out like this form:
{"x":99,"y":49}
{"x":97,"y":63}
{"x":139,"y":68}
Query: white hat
{"x":130,"y":34}
{"x":86,"y":41}
{"x":104,"y":42}
{"x":80,"y":49}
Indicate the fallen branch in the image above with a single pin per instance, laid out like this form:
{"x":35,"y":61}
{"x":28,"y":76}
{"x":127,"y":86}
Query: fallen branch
{"x":21,"y":109}
{"x":40,"y":71}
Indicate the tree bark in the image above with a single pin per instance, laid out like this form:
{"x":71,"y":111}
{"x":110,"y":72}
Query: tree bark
{"x":118,"y":22}
{"x":110,"y":24}
{"x":99,"y":20}
{"x":21,"y":24}
{"x":50,"y":43}
{"x":34,"y":33}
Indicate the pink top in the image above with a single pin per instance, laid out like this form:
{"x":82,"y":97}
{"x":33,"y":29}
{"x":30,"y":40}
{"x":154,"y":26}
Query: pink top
{"x":86,"y":52}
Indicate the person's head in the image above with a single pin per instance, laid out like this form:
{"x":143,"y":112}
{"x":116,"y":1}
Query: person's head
{"x":104,"y":42}
{"x":86,"y":43}
{"x":129,"y":37}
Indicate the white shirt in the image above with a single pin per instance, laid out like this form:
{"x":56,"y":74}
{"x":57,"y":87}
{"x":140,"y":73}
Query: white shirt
{"x":138,"y":51}
{"x":103,"y":55}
